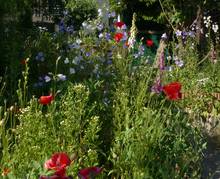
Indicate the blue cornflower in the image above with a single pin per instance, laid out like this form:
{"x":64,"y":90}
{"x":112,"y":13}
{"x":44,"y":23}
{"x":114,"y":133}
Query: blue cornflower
{"x":40,"y":56}
{"x":62,"y":27}
{"x":70,"y":29}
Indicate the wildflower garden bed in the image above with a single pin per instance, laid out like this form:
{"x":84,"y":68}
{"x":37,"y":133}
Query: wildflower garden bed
{"x":99,"y":103}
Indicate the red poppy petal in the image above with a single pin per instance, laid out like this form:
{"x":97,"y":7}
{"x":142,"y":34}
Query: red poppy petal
{"x":44,"y":100}
{"x":90,"y":171}
{"x":149,"y":43}
{"x":119,"y":24}
{"x":172,"y":90}
{"x":60,"y":172}
{"x":58,"y":162}
{"x":118,"y":37}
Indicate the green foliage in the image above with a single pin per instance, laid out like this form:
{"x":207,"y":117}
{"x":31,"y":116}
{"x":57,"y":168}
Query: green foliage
{"x":15,"y":18}
{"x":81,"y":10}
{"x":150,"y":135}
{"x":167,"y":12}
{"x":43,"y":131}
{"x":104,"y":113}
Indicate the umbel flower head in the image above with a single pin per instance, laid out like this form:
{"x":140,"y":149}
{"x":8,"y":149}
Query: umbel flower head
{"x":172,"y":91}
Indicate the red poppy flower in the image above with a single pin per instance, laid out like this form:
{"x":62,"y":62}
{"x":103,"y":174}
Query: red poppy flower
{"x":55,"y":177}
{"x":172,"y":91}
{"x":23,"y":62}
{"x":118,"y":37}
{"x":89,"y":172}
{"x":119,"y":24}
{"x":5,"y":171}
{"x":44,"y":100}
{"x":127,"y":44}
{"x":58,"y":162}
{"x":149,"y":42}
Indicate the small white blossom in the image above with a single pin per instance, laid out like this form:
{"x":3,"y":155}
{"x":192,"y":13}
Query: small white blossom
{"x":164,"y":36}
{"x":72,"y":71}
{"x":78,"y":41}
{"x":101,"y":35}
{"x":66,"y":61}
{"x":215,"y":27}
{"x":100,"y":12}
{"x":61,"y":77}
{"x":84,"y":24}
{"x":207,"y":21}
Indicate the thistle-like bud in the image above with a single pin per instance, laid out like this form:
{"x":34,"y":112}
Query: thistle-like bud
{"x":213,"y":54}
{"x":133,"y":31}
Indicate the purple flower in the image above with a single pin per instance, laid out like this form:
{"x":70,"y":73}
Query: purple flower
{"x":184,"y":34}
{"x":157,"y":87}
{"x":179,"y":63}
{"x":112,"y":14}
{"x":141,"y":50}
{"x":125,"y":36}
{"x":88,"y":54}
{"x":125,"y":46}
{"x":108,"y":36}
{"x":162,"y":61}
{"x":47,"y":78}
{"x":178,"y":33}
{"x":213,"y":55}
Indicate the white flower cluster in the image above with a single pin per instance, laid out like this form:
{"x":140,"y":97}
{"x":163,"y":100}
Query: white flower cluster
{"x":209,"y":24}
{"x":215,"y":27}
{"x":207,"y":21}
